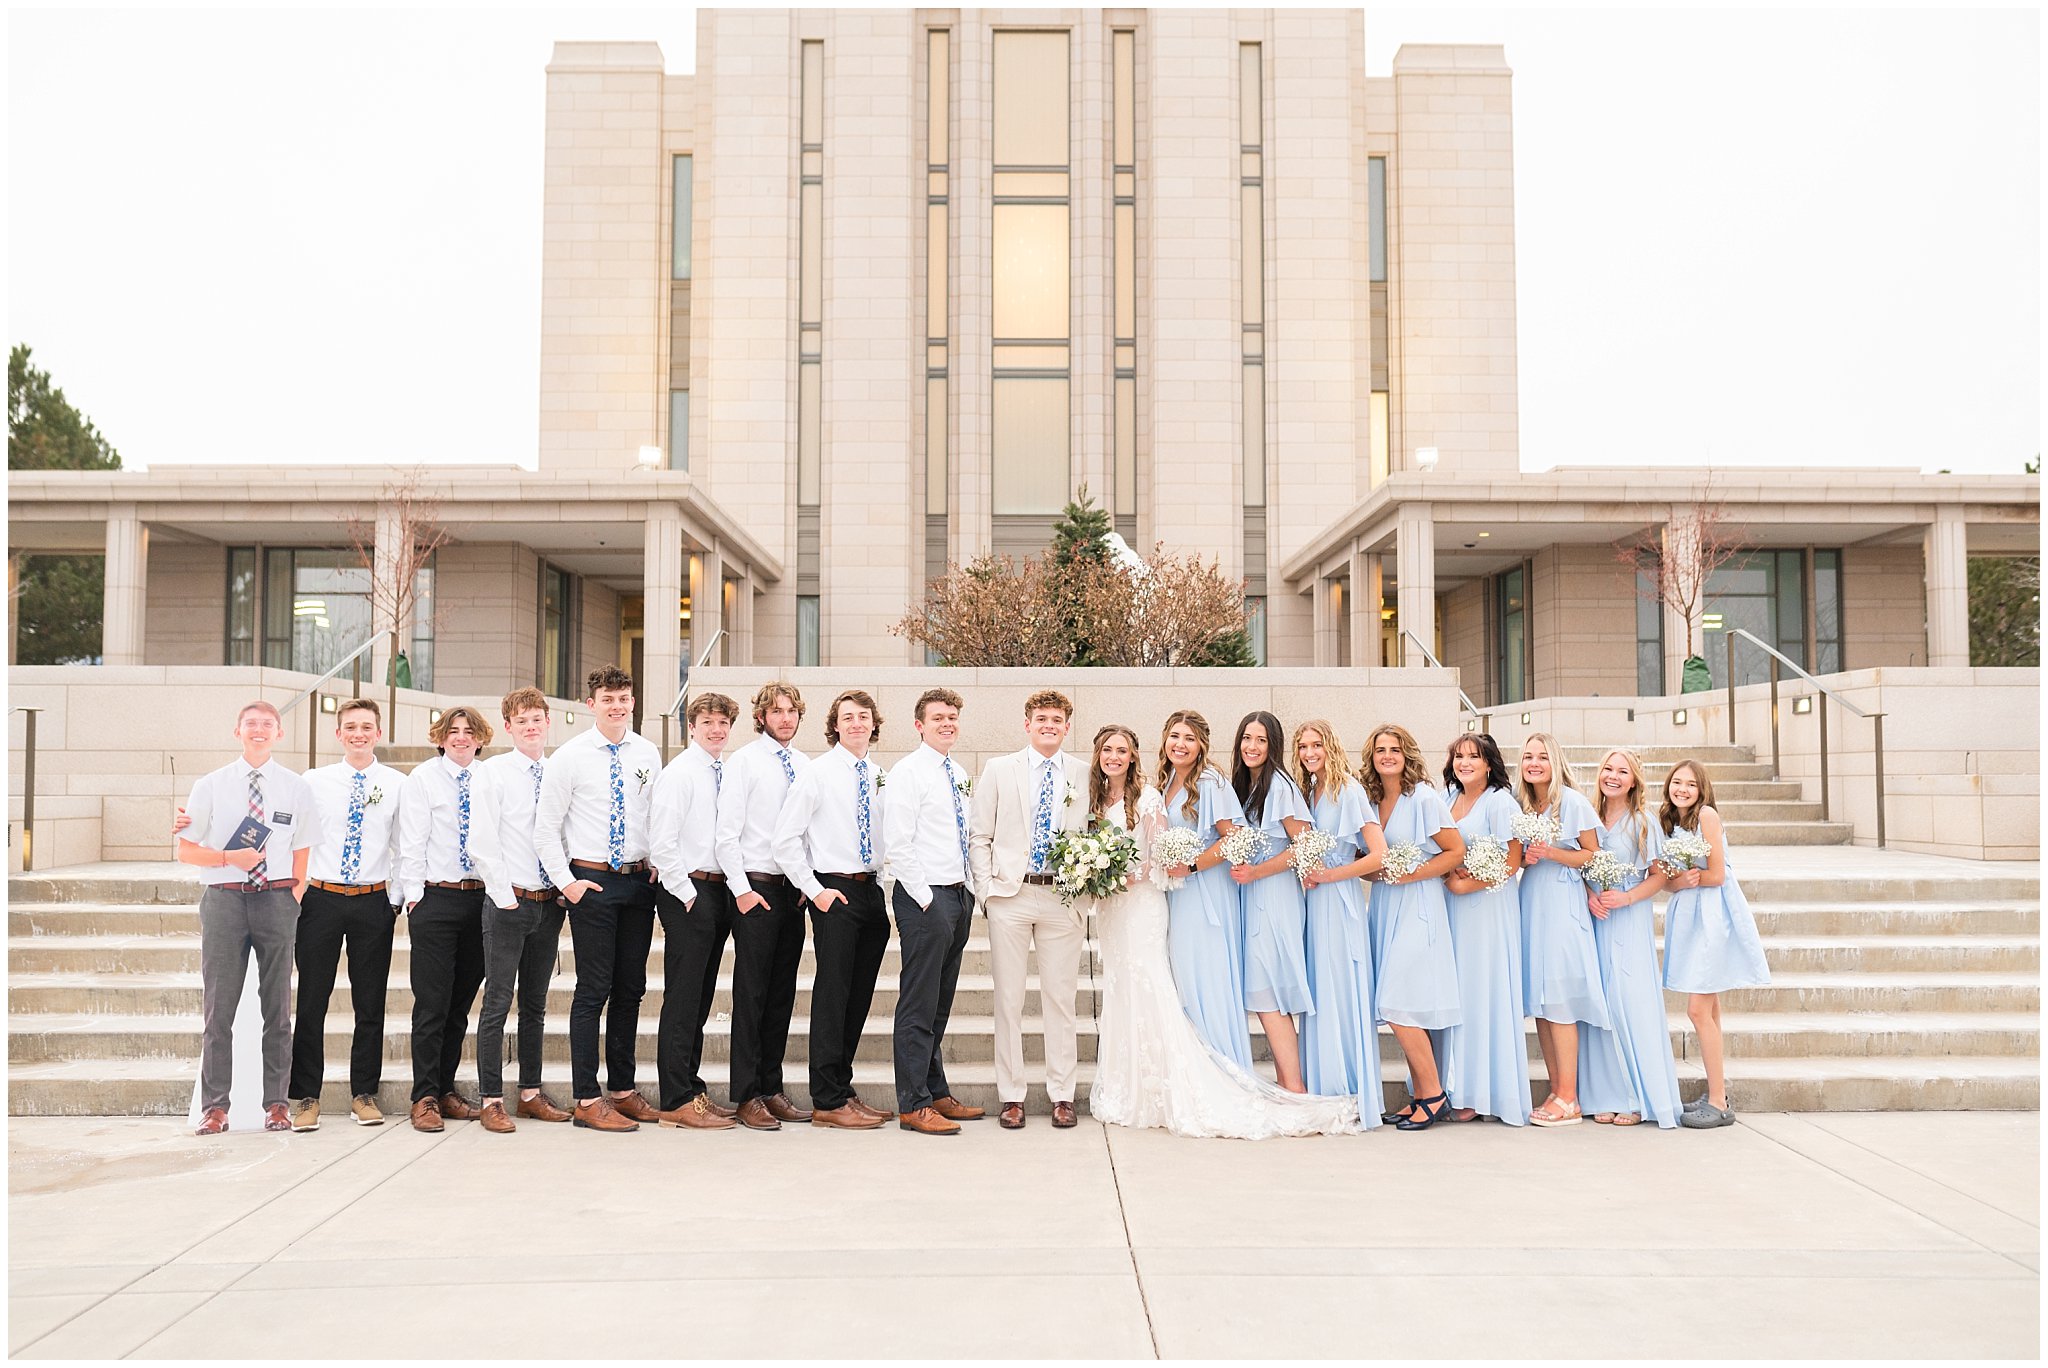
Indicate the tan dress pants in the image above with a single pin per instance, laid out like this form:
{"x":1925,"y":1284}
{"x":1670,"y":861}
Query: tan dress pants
{"x":1035,"y":915}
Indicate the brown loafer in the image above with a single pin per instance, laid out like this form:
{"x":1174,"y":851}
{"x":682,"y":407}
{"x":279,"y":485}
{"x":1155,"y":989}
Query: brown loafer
{"x":638,"y":1108}
{"x":1063,"y":1115}
{"x":955,"y":1110}
{"x":868,"y":1110}
{"x":456,"y":1107}
{"x":782,"y":1109}
{"x":695,"y":1114}
{"x":927,"y":1121}
{"x":754,"y":1115}
{"x":426,"y":1116}
{"x":847,"y":1117}
{"x":494,"y":1118}
{"x":602,"y":1115}
{"x":277,"y":1117}
{"x":214,"y":1122}
{"x":539,"y":1108}
{"x":1012,"y":1116}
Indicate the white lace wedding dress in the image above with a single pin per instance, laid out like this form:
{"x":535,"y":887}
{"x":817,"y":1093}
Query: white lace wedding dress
{"x":1152,"y":1068}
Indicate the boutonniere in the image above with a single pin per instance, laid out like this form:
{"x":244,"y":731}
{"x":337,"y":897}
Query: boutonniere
{"x":376,"y":796}
{"x":963,"y":786}
{"x":1068,"y":801}
{"x":881,"y":780}
{"x":640,"y":777}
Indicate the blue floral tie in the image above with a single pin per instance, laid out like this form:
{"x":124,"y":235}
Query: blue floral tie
{"x":352,"y":844}
{"x":462,"y":820}
{"x":615,"y":838}
{"x":717,"y":775}
{"x":1041,"y":825}
{"x":959,"y":817}
{"x":788,"y":770}
{"x":864,"y":815}
{"x":538,"y":866}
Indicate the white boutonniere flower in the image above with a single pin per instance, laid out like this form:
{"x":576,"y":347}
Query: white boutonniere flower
{"x":1068,"y":801}
{"x":376,"y":796}
{"x":640,"y":777}
{"x":963,"y":786}
{"x":881,"y":780}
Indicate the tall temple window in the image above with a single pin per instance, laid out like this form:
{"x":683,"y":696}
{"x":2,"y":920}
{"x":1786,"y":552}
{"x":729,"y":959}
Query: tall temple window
{"x":1252,"y":331}
{"x":1032,"y":274}
{"x":810,"y":317}
{"x":937,"y":330}
{"x":679,"y":227}
{"x":1376,"y":262}
{"x":1123,"y":62}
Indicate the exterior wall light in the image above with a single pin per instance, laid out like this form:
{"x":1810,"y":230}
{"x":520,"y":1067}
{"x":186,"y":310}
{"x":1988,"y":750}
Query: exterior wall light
{"x":1803,"y":703}
{"x":1425,"y":459}
{"x":650,"y":457}
{"x":1525,"y":719}
{"x":1679,"y":717}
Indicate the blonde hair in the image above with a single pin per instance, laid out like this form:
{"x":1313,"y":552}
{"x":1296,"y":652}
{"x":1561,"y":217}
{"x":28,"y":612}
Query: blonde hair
{"x":1191,"y":802}
{"x":437,"y":731}
{"x":1414,"y":771}
{"x":1560,"y":777}
{"x":1336,"y":764}
{"x":1637,"y":798}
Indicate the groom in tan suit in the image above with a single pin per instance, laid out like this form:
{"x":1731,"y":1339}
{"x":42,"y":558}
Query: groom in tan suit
{"x":1020,"y":802}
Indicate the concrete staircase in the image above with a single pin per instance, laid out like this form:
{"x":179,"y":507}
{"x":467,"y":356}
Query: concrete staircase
{"x":1755,"y":808}
{"x":1890,"y":991}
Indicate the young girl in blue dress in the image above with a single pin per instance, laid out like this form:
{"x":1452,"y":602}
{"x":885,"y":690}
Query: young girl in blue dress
{"x":1415,"y":968}
{"x":1560,"y":961}
{"x":1486,"y":1055}
{"x":1710,"y":940}
{"x":1626,"y":1072}
{"x":1205,"y":922}
{"x":1275,"y":951}
{"x":1340,"y":1041}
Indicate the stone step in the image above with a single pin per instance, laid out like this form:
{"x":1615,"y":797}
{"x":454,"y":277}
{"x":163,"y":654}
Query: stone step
{"x":1892,"y":919}
{"x":1956,"y":955}
{"x":1793,"y":833}
{"x":1839,"y":991}
{"x":1891,"y":890}
{"x":1666,"y":756}
{"x":1775,"y":809}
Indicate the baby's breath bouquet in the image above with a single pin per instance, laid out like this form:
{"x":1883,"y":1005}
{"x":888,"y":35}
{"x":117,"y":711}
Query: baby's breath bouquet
{"x":1244,"y":845}
{"x":1402,"y":860}
{"x":1308,"y":851}
{"x":1684,"y":850}
{"x":1093,"y":863}
{"x":1177,"y":846}
{"x":1536,"y":828}
{"x":1605,"y":872}
{"x":1486,"y":860}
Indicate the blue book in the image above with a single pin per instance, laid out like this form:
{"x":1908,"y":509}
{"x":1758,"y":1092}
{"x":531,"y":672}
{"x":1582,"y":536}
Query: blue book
{"x":250,"y":835}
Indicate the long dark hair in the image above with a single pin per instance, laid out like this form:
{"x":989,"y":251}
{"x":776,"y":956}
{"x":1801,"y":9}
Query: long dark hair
{"x":1253,"y":785}
{"x":1496,"y":767}
{"x":1669,"y":815}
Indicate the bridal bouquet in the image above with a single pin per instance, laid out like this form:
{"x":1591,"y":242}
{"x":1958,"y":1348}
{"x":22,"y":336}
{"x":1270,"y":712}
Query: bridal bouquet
{"x":1536,"y":828}
{"x":1685,"y":850}
{"x":1486,"y":860}
{"x":1092,"y":864}
{"x":1244,"y":845}
{"x":1308,"y":851}
{"x":1402,"y":860}
{"x":1177,"y":846}
{"x":1605,"y":872}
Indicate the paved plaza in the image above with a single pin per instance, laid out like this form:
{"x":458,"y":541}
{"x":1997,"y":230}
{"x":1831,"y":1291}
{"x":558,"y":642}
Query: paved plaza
{"x":1809,"y":1235}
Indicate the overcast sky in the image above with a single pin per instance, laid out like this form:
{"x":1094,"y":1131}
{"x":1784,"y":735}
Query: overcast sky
{"x":1742,"y":236}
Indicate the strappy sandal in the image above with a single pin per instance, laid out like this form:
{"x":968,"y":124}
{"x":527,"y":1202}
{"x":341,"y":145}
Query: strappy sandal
{"x":1603,"y":1118}
{"x":1556,"y":1112}
{"x":1431,"y":1109}
{"x":1628,"y":1119}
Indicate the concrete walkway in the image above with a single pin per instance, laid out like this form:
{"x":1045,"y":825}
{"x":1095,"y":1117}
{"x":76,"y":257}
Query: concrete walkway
{"x":1843,"y":1235}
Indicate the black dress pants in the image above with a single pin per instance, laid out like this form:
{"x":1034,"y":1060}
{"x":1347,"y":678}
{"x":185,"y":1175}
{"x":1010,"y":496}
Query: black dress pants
{"x":612,"y":929}
{"x":447,"y":934}
{"x":932,"y":940}
{"x":851,"y":939}
{"x":693,"y":942}
{"x":767,"y":951}
{"x":327,"y":921}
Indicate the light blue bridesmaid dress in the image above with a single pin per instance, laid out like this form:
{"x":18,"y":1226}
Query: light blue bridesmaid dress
{"x":1710,"y":939}
{"x":1275,"y":952}
{"x":1629,"y":1068}
{"x":1485,"y":1057}
{"x":1415,"y":968}
{"x":1560,"y":962}
{"x":1340,"y":1043}
{"x":1205,"y":929}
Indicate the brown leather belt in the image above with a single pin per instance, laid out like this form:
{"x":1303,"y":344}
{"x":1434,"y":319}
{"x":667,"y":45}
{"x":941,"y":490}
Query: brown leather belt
{"x":536,"y":894}
{"x":346,"y":890}
{"x":859,"y":876}
{"x":1039,"y":880}
{"x":711,"y":876}
{"x":632,"y":867}
{"x":457,"y":885}
{"x":265,"y":887}
{"x":758,"y":876}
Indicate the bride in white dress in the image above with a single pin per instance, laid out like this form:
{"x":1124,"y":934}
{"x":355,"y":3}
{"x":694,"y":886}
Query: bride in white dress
{"x":1152,"y":1067}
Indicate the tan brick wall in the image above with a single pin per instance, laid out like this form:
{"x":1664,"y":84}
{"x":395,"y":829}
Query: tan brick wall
{"x":1884,"y":606}
{"x":1463,"y":612}
{"x":186,"y":621}
{"x":1582,"y":632}
{"x":486,"y":618}
{"x":598,"y":634}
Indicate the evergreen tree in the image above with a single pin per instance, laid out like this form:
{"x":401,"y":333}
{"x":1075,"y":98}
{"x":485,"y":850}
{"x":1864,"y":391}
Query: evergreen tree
{"x":44,"y":432}
{"x":1079,"y":532}
{"x":60,"y":603}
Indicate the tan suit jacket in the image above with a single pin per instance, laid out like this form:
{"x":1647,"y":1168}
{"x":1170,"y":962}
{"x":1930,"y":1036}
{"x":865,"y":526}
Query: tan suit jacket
{"x":1005,"y":800}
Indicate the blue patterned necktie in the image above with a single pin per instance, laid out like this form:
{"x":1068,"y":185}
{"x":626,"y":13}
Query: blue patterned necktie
{"x":863,"y":815}
{"x":462,"y":820}
{"x":717,"y":776}
{"x":256,"y":877}
{"x":959,"y":817}
{"x":352,"y":844}
{"x":788,"y":770}
{"x":539,"y":868}
{"x":615,"y":837}
{"x":1041,"y":824}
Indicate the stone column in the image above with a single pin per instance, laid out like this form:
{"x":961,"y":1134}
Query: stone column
{"x":1365,"y":609}
{"x":1946,"y":547}
{"x":1323,"y":608}
{"x":14,"y":618}
{"x":742,"y":625}
{"x":1415,"y":588}
{"x":707,"y":609}
{"x":127,"y":580}
{"x":661,"y":571}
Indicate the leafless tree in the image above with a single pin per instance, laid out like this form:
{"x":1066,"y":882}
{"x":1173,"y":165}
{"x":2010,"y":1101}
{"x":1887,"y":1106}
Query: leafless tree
{"x":395,"y":588}
{"x":1673,"y":567}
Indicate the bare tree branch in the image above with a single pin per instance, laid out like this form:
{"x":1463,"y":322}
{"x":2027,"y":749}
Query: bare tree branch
{"x":1673,"y":567}
{"x":395,"y":588}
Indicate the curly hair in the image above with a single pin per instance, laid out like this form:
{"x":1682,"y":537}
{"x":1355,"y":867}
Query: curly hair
{"x":859,"y":698}
{"x":930,"y":696}
{"x":1488,"y":752}
{"x":1048,"y":698}
{"x":1336,"y":771}
{"x":1413,"y":770}
{"x":1668,"y":813}
{"x":1199,"y":725}
{"x":607,"y":677}
{"x":1098,"y":782}
{"x":764,"y":699}
{"x":437,"y":730}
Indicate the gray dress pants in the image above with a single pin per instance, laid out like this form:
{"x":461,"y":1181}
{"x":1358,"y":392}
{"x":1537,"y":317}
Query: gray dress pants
{"x":232,"y":926}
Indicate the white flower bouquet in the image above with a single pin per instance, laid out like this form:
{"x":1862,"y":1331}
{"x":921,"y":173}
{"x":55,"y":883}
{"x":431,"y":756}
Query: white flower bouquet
{"x":1092,"y":863}
{"x":1402,"y":860}
{"x":1177,"y":846}
{"x":1308,"y":851}
{"x":1536,"y":828}
{"x":1605,"y":872}
{"x":1685,"y":850}
{"x":1244,"y":845}
{"x":1486,"y":860}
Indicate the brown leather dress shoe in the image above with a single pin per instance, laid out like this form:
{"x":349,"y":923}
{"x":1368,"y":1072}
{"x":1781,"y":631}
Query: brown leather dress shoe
{"x":955,"y":1110}
{"x":754,"y":1115}
{"x":539,"y":1108}
{"x":1063,"y":1115}
{"x":1012,"y":1116}
{"x":494,"y":1118}
{"x":214,"y":1122}
{"x":426,"y":1116}
{"x":927,"y":1121}
{"x":637,"y":1107}
{"x":456,"y":1107}
{"x":847,"y":1117}
{"x":695,"y":1114}
{"x":782,"y":1109}
{"x":719,"y":1108}
{"x":868,"y":1110}
{"x":277,"y":1117}
{"x":602,"y":1115}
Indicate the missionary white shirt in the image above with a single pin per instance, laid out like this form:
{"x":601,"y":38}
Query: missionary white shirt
{"x":219,"y":802}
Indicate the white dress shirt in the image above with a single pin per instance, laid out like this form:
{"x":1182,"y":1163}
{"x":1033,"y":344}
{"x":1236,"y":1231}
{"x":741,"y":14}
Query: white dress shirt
{"x":749,"y":803}
{"x":574,"y":817}
{"x":503,"y":835}
{"x":927,"y":823}
{"x":431,"y":839}
{"x":219,"y":802}
{"x":682,"y":820}
{"x":334,"y":792}
{"x":819,"y":826}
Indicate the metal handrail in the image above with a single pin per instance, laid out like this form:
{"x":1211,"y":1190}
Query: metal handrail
{"x":1472,"y":708}
{"x":354,"y":658}
{"x":675,"y":709}
{"x":1876,"y":720}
